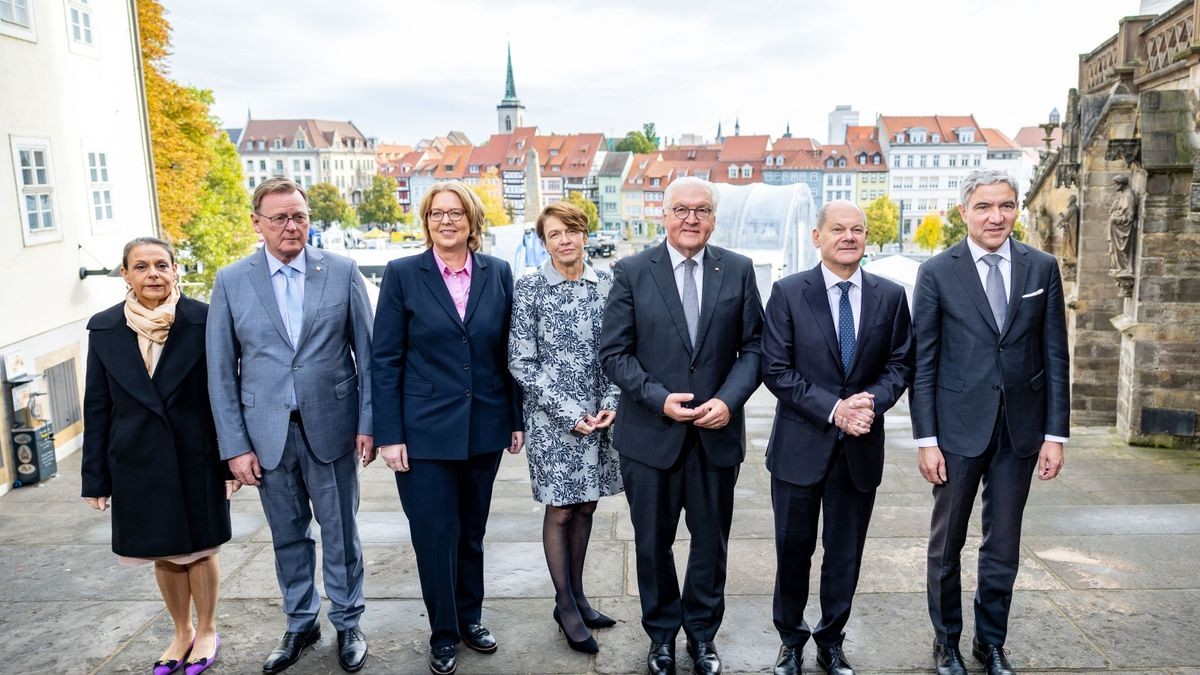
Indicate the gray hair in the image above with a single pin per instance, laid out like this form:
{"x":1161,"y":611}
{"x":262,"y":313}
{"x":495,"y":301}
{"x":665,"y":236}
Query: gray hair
{"x":690,"y":181}
{"x":980,"y":177}
{"x":823,"y":212}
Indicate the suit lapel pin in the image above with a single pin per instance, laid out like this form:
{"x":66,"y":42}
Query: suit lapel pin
{"x":318,"y":268}
{"x":716,"y":269}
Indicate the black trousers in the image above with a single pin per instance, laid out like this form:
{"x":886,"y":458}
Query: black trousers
{"x":847,"y":514}
{"x":656,"y":496}
{"x":447,"y":504}
{"x":1005,"y":478}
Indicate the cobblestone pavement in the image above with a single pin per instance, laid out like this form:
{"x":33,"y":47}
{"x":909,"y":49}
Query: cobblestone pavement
{"x":1109,"y":580}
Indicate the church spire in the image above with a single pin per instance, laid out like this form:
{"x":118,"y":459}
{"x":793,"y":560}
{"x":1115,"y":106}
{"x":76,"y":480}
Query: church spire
{"x":510,"y":87}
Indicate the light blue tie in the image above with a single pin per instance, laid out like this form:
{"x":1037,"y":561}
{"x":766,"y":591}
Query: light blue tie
{"x":845,"y":326}
{"x":291,"y":300}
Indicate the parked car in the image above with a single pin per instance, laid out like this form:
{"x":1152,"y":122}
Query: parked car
{"x":601,"y":245}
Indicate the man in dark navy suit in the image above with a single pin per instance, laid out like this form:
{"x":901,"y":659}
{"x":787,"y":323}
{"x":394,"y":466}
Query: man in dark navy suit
{"x":990,"y":403}
{"x":837,"y":352}
{"x":681,"y":338}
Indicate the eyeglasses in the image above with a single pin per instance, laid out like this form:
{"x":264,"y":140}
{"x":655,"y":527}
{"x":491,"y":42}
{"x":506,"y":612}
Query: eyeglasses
{"x":300,"y":219}
{"x":454,"y":214}
{"x":702,"y":213}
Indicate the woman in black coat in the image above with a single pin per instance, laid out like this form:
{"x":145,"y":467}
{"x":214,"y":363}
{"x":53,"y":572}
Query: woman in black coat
{"x":150,"y":446}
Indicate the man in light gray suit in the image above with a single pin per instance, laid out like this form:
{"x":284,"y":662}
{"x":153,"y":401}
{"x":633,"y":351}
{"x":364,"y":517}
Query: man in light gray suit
{"x":289,"y":343}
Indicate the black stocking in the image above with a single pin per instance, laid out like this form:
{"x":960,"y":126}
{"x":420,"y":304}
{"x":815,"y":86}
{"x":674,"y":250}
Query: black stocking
{"x":555,"y":540}
{"x":579,"y":532}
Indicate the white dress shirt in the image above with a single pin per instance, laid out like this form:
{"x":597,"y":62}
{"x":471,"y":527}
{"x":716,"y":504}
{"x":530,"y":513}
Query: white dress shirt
{"x":677,"y":259}
{"x":835,"y":307}
{"x":981,"y":268}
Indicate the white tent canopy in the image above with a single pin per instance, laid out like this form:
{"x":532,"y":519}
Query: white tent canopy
{"x":898,"y":268}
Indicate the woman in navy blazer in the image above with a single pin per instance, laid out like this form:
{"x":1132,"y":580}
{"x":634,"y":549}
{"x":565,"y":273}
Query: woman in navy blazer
{"x":445,"y":407}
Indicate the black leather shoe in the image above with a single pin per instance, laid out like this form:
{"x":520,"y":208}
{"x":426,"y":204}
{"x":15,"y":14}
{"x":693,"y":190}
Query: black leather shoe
{"x":705,"y":660}
{"x":833,"y":660}
{"x":352,"y":649}
{"x":478,"y":638}
{"x":443,"y":660}
{"x":661,"y":659}
{"x":789,"y":661}
{"x":947,"y":660}
{"x":994,"y":661}
{"x":290,"y":648}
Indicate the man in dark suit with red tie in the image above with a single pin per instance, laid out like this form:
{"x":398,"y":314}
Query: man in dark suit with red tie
{"x":990,"y":403}
{"x":681,"y":336}
{"x":837,"y":353}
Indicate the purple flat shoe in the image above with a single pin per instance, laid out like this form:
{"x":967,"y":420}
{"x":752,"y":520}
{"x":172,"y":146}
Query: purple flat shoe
{"x":173,"y":665}
{"x":200,"y":665}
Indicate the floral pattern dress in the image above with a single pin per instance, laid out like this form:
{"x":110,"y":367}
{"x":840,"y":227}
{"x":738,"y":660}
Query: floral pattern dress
{"x":552,"y":355}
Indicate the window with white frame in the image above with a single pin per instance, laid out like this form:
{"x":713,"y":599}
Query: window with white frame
{"x":99,"y":187}
{"x":35,"y":190}
{"x":16,"y":19}
{"x":80,"y":16}
{"x":733,"y":171}
{"x":747,"y":171}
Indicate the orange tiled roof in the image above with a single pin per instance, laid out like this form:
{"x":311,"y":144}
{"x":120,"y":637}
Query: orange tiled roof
{"x":316,"y":133}
{"x":997,"y":140}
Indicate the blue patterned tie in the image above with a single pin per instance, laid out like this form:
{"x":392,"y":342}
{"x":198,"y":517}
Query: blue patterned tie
{"x":845,"y":326}
{"x":995,"y":289}
{"x":291,"y":300}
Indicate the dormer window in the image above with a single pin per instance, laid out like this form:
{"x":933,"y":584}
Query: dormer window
{"x":829,"y":162}
{"x":916,"y":135}
{"x":733,"y":171}
{"x":900,"y":138}
{"x":875,"y":159}
{"x":841,"y":161}
{"x":862,"y":159}
{"x":554,"y":152}
{"x":966,"y":135}
{"x":747,"y":171}
{"x":936,"y":138}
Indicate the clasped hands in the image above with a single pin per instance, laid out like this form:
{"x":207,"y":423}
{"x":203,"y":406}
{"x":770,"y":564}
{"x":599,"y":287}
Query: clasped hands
{"x":395,"y":455}
{"x":590,"y":423}
{"x":855,"y":414}
{"x":712,"y":414}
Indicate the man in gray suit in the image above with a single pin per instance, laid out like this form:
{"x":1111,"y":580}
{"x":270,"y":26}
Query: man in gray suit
{"x":289,"y":343}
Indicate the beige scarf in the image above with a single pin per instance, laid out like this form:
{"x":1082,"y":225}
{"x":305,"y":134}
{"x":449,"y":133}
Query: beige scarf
{"x":151,"y":325}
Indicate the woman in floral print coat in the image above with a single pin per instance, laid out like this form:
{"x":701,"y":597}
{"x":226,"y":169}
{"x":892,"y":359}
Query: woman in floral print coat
{"x":569,"y":407}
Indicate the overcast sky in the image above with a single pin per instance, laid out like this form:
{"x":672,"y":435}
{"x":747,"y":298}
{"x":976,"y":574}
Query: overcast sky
{"x":409,"y":69}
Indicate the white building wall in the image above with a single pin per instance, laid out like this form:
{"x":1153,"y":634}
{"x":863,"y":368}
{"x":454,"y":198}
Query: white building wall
{"x":920,"y":187}
{"x":72,"y":98}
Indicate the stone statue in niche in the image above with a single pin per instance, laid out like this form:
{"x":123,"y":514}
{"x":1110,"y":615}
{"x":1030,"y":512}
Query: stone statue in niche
{"x":1122,"y":228}
{"x":1068,"y":222}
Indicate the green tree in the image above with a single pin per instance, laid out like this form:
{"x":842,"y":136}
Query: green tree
{"x":929,"y":232}
{"x":1018,"y":232}
{"x":651,"y":134}
{"x":220,"y":233}
{"x":326,"y":206}
{"x":379,"y":205}
{"x":883,"y":217}
{"x":593,"y":214}
{"x":489,"y":191}
{"x":955,"y":229}
{"x":636,"y":141}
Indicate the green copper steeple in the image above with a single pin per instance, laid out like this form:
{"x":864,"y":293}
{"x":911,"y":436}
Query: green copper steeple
{"x":510,"y":87}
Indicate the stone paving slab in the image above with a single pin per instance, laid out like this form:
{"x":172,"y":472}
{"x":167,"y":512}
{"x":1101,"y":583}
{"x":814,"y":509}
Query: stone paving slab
{"x":1109,"y":579}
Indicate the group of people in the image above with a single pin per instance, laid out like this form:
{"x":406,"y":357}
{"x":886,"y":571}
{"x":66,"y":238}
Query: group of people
{"x":634,"y":381}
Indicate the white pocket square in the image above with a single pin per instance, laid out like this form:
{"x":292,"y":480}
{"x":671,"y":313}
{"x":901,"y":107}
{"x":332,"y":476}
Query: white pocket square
{"x":1037,"y":292}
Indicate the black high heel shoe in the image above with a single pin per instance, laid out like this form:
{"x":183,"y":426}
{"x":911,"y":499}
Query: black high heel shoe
{"x":587,"y":646}
{"x":599,"y":621}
